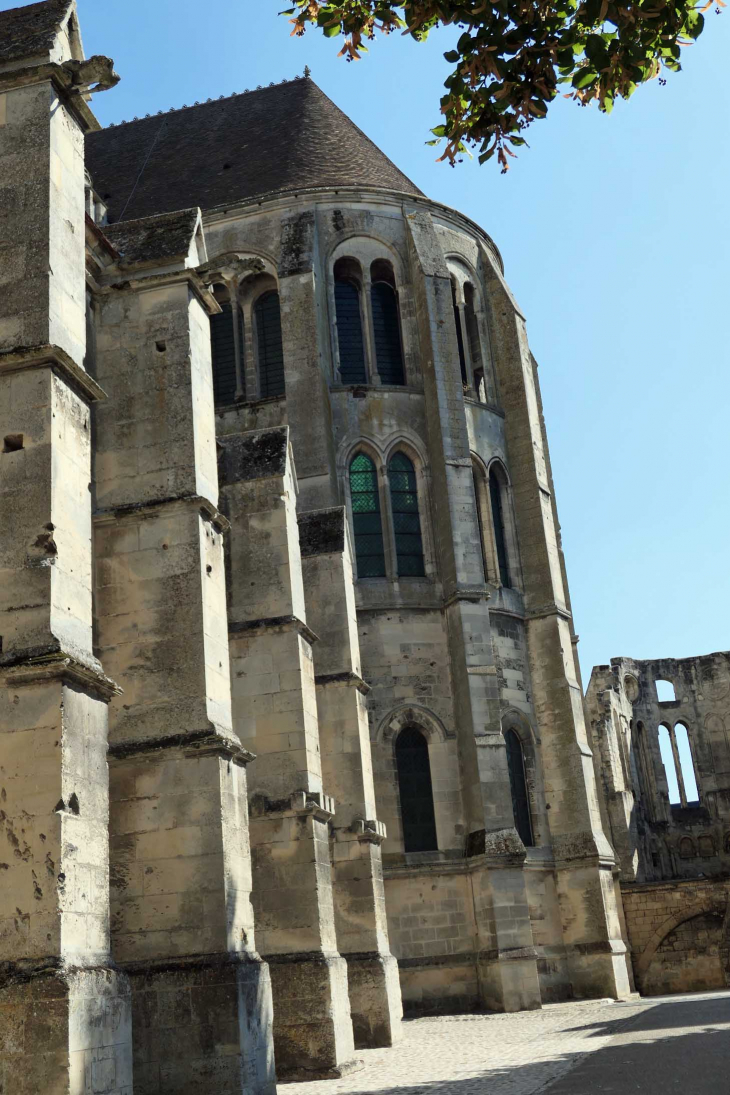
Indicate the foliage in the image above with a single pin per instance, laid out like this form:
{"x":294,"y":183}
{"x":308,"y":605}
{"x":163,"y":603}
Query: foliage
{"x":513,"y":55}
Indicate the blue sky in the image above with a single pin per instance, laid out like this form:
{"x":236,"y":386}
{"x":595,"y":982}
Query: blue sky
{"x":615,"y":234}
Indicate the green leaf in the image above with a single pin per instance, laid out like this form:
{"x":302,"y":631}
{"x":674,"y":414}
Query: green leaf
{"x":333,"y":31}
{"x":452,"y":56}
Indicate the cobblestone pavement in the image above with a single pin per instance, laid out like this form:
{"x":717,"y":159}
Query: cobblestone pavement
{"x":523,"y":1053}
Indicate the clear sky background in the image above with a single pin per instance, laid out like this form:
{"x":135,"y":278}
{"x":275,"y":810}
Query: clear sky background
{"x":615,"y":234}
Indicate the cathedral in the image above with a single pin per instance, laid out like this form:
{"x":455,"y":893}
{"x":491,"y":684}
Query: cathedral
{"x":292,"y":731}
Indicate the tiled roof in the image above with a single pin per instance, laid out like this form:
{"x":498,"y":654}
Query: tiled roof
{"x":29,"y":31}
{"x":281,"y":138}
{"x":153,"y":238}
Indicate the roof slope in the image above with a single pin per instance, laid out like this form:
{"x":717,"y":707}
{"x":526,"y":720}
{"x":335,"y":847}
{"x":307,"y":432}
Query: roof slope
{"x":153,"y":238}
{"x":29,"y":31}
{"x":276,"y":139}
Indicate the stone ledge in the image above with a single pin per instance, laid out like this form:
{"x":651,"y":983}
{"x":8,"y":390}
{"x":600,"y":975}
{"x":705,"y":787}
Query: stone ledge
{"x":62,"y":364}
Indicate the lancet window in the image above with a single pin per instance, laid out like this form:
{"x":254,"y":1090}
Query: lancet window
{"x":368,"y":342}
{"x":518,"y":787}
{"x":415,"y":788}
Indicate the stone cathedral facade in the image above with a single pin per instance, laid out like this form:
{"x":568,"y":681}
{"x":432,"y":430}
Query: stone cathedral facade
{"x":292,"y":732}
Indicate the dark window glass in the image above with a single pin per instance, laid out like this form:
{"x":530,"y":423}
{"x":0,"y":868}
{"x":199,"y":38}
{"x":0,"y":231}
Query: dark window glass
{"x":224,"y":353}
{"x":349,"y":332}
{"x":500,"y":542}
{"x":472,"y":328}
{"x":459,"y":337}
{"x":518,"y":787}
{"x":406,"y":522}
{"x":367,"y":523}
{"x":416,"y":791}
{"x":386,"y":328}
{"x":267,"y":316}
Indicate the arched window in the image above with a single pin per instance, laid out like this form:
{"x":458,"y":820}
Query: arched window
{"x":518,"y":787}
{"x":406,"y":521}
{"x":500,"y":539}
{"x":366,"y":518}
{"x":686,"y":764}
{"x":270,"y":356}
{"x":223,"y":347}
{"x":459,"y":336}
{"x":475,"y":343}
{"x":386,"y":324}
{"x":349,"y":322}
{"x":665,"y":691}
{"x":416,"y":791}
{"x":670,"y":768}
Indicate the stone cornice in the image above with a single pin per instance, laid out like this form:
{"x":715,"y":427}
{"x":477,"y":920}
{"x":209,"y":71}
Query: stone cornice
{"x":62,"y":364}
{"x":270,"y":623}
{"x":136,"y":510}
{"x":212,"y":742}
{"x":347,"y":678}
{"x":63,"y":667}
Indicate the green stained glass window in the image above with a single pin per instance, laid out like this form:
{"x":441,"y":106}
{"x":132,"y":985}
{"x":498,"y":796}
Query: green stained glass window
{"x":366,"y":518}
{"x":406,"y":521}
{"x":416,"y":791}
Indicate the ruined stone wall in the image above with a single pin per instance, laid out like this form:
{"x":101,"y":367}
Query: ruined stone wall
{"x":678,"y":932}
{"x":657,"y":838}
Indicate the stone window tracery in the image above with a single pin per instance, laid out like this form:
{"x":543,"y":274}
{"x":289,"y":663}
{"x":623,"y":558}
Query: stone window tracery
{"x":415,"y":787}
{"x":496,"y":524}
{"x":368,"y":340}
{"x":676,"y":754}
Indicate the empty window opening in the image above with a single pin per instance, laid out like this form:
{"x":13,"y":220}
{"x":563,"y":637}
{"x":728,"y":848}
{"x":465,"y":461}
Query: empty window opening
{"x":386,"y":324}
{"x":223,"y":347}
{"x":416,"y":791}
{"x":475,"y":342}
{"x":665,"y":691}
{"x":13,"y":442}
{"x":366,"y":518}
{"x":518,"y":787}
{"x":267,"y":318}
{"x":161,"y":346}
{"x":667,"y":755}
{"x":686,"y":765}
{"x":350,"y":340}
{"x":406,"y":519}
{"x":459,"y":336}
{"x":500,"y":539}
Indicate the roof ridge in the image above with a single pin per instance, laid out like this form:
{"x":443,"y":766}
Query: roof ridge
{"x":220,"y":98}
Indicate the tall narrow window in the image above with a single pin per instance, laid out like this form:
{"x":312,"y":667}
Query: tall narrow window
{"x":223,"y":347}
{"x":267,"y":317}
{"x":416,"y":791}
{"x":500,"y":539}
{"x":475,"y":343}
{"x":366,"y":518}
{"x":478,"y":478}
{"x":686,"y":764}
{"x":459,"y":336}
{"x":349,"y":322}
{"x":518,"y":787}
{"x":670,"y":769}
{"x":406,"y":521}
{"x":386,"y":324}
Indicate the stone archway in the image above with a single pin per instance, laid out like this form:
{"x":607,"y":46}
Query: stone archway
{"x":689,"y":951}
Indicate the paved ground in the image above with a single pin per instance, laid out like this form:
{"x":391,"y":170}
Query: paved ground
{"x":662,"y":1047}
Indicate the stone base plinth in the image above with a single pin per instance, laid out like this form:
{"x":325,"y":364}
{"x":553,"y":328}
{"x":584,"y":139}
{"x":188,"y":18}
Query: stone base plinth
{"x":65,"y":1031}
{"x":202,"y":1024}
{"x":509,"y":982}
{"x":599,"y":972}
{"x":375,"y":999}
{"x":312,"y":1024}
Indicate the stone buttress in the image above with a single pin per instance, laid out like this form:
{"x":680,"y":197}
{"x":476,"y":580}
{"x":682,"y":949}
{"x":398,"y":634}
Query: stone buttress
{"x":506,"y":957}
{"x":360,"y":917}
{"x":182,"y":920}
{"x":275,"y":714}
{"x":585,"y":864}
{"x":65,"y":1013}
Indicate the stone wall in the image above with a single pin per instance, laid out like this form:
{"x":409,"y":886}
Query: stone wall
{"x":678,"y":932}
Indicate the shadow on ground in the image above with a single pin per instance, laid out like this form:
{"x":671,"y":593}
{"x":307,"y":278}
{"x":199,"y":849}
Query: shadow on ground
{"x":672,"y":1047}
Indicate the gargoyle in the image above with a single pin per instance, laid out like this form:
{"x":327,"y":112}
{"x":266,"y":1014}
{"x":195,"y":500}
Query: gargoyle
{"x":97,"y":71}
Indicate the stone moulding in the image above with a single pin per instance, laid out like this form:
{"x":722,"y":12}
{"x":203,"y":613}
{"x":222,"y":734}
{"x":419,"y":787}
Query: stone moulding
{"x":61,"y":666}
{"x":201,"y":743}
{"x":39,"y":357}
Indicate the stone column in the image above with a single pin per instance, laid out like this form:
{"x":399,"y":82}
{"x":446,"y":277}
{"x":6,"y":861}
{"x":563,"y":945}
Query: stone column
{"x":65,"y":1016}
{"x":182,"y":917}
{"x":585,"y":862}
{"x":360,"y":920}
{"x":275,"y":714}
{"x":506,"y":954}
